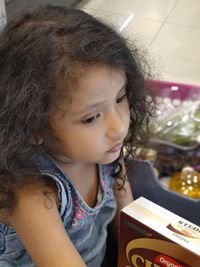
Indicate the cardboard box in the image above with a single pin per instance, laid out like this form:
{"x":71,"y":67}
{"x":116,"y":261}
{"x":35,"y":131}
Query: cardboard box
{"x":151,"y":236}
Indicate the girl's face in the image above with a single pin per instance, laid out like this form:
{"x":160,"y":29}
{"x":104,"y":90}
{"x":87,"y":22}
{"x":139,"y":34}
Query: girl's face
{"x":93,"y":127}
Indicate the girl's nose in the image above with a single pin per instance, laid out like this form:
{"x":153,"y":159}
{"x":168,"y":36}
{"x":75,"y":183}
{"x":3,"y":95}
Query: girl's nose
{"x":116,"y":127}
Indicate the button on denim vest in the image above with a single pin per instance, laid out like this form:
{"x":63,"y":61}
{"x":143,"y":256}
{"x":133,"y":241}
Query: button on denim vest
{"x":86,"y":226}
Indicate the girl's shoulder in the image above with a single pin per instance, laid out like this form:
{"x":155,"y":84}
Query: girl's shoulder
{"x":36,"y":220}
{"x":45,"y":189}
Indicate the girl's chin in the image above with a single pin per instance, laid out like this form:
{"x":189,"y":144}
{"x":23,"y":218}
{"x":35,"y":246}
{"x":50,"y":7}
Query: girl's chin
{"x":109,"y":158}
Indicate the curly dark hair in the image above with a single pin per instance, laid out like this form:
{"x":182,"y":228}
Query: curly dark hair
{"x":36,"y":50}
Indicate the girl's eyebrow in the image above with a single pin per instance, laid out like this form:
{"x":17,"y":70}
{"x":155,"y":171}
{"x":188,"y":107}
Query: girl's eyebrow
{"x":94,"y":105}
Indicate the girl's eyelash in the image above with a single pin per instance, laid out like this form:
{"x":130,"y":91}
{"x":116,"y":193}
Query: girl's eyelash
{"x":91,"y":119}
{"x":121,"y":98}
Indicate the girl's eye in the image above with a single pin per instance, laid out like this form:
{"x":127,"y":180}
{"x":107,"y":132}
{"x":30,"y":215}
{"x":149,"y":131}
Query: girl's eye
{"x":121,"y":98}
{"x":91,"y":119}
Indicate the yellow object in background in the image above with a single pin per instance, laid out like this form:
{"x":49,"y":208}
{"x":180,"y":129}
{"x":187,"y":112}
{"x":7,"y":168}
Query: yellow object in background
{"x":186,"y":182}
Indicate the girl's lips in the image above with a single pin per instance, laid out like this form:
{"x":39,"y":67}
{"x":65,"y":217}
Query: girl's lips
{"x":116,"y":148}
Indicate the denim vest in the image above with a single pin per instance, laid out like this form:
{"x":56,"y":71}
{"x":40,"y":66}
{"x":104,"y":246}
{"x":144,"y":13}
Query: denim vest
{"x":86,"y":226}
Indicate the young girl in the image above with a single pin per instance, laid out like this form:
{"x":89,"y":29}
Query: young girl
{"x":72,"y":95}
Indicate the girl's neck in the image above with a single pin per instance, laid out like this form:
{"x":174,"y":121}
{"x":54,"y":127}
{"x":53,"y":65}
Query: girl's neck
{"x":78,"y":168}
{"x":69,"y":165}
{"x":85,"y":177}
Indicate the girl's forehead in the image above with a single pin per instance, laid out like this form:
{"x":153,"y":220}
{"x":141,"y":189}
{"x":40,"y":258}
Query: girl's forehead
{"x":97,"y":78}
{"x":98,"y":85}
{"x":93,"y":85}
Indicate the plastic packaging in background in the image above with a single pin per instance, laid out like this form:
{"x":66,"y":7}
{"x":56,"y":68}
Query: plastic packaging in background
{"x":186,"y":182}
{"x":171,"y":158}
{"x":176,"y":131}
{"x":177,"y":121}
{"x":174,"y":90}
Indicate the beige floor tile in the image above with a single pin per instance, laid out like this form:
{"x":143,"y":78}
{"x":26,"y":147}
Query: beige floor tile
{"x":170,"y":29}
{"x":181,"y":71}
{"x":143,"y":30}
{"x":132,"y":27}
{"x":186,"y":12}
{"x":140,"y":30}
{"x":90,"y":4}
{"x":176,"y":49}
{"x":148,"y":9}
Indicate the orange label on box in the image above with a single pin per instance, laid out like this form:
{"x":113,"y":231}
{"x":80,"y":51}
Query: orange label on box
{"x":166,"y":261}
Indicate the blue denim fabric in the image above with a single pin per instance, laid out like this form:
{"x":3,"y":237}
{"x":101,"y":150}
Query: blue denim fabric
{"x":86,"y":226}
{"x":12,"y":251}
